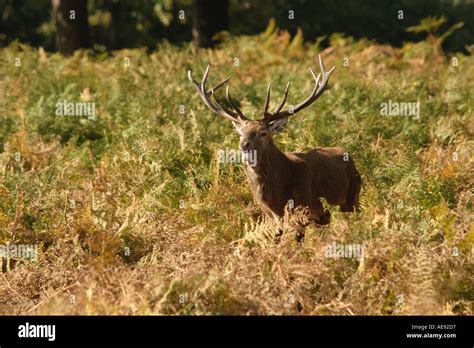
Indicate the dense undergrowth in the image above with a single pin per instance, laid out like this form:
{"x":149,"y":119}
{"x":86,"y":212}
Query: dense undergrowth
{"x":133,"y":214}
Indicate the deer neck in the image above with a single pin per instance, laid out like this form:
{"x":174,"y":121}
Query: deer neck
{"x":270,"y":170}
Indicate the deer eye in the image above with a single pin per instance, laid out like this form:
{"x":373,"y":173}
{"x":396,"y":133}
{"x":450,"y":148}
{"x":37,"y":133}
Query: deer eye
{"x":263,"y":134}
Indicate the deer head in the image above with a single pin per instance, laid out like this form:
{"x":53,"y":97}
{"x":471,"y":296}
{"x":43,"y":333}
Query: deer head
{"x":256,"y":135}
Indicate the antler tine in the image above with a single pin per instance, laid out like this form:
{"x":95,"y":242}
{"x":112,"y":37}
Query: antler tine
{"x":190,"y":78}
{"x":219,"y":85}
{"x":219,"y":108}
{"x":234,"y":106}
{"x":316,"y":78}
{"x":318,"y":89}
{"x":218,"y":102}
{"x":282,"y":103}
{"x":323,"y":68}
{"x":204,"y":78}
{"x":267,"y":101}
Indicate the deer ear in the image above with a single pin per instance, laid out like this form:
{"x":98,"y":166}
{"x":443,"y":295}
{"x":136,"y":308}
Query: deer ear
{"x":238,"y":127}
{"x":278,"y":125}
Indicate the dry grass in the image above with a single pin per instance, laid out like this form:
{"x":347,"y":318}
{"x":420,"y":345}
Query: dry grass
{"x":102,"y":198}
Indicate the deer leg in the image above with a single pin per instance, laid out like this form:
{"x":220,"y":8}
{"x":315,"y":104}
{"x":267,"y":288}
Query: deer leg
{"x":278,"y":235}
{"x":324,"y":219}
{"x":295,"y":227}
{"x":352,"y":201}
{"x":299,"y":233}
{"x":299,"y":229}
{"x":279,"y":227}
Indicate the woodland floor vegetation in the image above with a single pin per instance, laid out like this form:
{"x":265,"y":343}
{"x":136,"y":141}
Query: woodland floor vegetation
{"x":133,"y":214}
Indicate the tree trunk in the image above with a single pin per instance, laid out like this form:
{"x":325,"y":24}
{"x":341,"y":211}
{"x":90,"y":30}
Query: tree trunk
{"x":209,"y":18}
{"x":114,"y":28}
{"x":72,"y":27}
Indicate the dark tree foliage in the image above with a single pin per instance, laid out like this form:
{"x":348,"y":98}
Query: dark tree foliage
{"x":21,"y":19}
{"x":374,"y":19}
{"x":115,"y":24}
{"x":209,"y":18}
{"x":126,"y":24}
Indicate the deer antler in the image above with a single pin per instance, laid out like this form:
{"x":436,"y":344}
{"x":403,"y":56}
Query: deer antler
{"x":318,"y":89}
{"x":217,"y":108}
{"x":237,"y":115}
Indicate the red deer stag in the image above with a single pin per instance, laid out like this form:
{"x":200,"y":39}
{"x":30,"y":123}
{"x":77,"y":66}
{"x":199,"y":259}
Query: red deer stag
{"x":278,"y":178}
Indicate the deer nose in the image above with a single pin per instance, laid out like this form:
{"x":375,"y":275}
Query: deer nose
{"x":244,"y":146}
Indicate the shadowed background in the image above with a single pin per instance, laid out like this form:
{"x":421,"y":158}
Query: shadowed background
{"x":127,"y":24}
